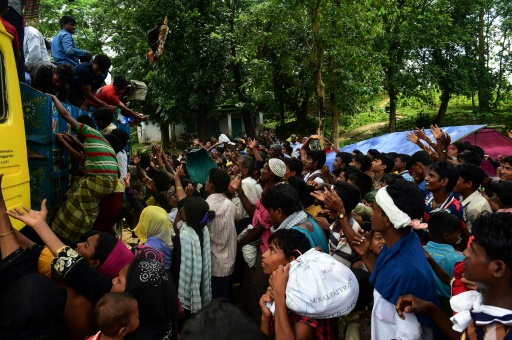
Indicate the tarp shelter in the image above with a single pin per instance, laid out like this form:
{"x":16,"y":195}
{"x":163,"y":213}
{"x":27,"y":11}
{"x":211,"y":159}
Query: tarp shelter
{"x":493,"y":142}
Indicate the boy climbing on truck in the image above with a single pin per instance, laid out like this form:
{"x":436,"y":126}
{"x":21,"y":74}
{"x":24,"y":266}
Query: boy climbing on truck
{"x":78,"y":213}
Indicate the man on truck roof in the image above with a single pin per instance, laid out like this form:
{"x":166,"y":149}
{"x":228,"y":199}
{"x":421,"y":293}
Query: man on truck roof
{"x":64,"y":50}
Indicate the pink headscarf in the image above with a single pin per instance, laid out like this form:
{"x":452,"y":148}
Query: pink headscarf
{"x":118,"y":258}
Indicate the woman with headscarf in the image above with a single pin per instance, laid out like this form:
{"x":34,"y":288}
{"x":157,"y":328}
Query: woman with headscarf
{"x":146,"y":279}
{"x":155,"y":230}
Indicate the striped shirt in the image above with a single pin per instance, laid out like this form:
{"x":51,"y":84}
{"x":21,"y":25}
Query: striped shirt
{"x":489,"y":327}
{"x":223,"y":238}
{"x":100,"y":159}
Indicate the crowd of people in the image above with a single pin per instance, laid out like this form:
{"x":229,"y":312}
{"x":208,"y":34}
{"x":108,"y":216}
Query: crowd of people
{"x":263,"y":237}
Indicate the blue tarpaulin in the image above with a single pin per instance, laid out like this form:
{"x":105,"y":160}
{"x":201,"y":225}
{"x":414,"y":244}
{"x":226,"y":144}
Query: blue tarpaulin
{"x":397,"y":141}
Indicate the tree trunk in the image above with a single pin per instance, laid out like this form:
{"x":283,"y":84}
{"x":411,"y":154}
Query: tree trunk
{"x":393,"y":99}
{"x":483,"y":90}
{"x":317,"y":54}
{"x":164,"y":130}
{"x":202,"y":124}
{"x":237,"y":75}
{"x":335,"y":134}
{"x":445,"y":98}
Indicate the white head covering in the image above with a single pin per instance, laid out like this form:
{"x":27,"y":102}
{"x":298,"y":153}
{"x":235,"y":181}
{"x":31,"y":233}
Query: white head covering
{"x":277,"y":167}
{"x":397,"y":217}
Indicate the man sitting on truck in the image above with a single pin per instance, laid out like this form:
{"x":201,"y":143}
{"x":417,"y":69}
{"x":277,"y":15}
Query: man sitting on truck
{"x":51,"y":79}
{"x":78,"y":213}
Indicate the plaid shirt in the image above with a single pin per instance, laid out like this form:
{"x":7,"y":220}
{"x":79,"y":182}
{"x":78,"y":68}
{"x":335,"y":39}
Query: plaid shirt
{"x":323,"y":329}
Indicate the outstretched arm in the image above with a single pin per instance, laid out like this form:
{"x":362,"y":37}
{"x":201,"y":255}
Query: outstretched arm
{"x":37,"y":221}
{"x":63,"y":112}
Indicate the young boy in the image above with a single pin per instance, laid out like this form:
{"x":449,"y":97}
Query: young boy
{"x":285,"y":246}
{"x":444,"y":230}
{"x":78,"y":213}
{"x":488,"y":263}
{"x":116,"y":315}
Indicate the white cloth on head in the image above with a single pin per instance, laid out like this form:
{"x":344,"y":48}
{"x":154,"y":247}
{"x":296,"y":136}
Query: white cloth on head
{"x":397,"y":217}
{"x":277,"y":167}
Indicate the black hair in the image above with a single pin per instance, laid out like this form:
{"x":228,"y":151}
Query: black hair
{"x":113,"y":311}
{"x":103,"y":114}
{"x":288,"y":148}
{"x":493,"y":232}
{"x":387,"y":160}
{"x":479,"y":151}
{"x":361,"y":180}
{"x":345,"y":157}
{"x":220,"y":179}
{"x":460,"y":146}
{"x":66,"y":19}
{"x":220,"y":320}
{"x":291,"y":242}
{"x":303,"y":190}
{"x":162,"y":181}
{"x":356,"y":152}
{"x":404,"y":158}
{"x":349,"y":194}
{"x":373,"y":152}
{"x":87,"y":120}
{"x":248,"y":163}
{"x":120,"y":81}
{"x":282,"y":196}
{"x":390,"y":178}
{"x":407,"y":197}
{"x":471,"y":172}
{"x":442,"y":222}
{"x":104,"y":246}
{"x":196,"y":209}
{"x":102,"y":61}
{"x":422,"y":157}
{"x":144,"y":160}
{"x":364,"y":161}
{"x":504,"y":193}
{"x":507,"y":159}
{"x":470,"y":157}
{"x":295,"y":165}
{"x":448,"y":171}
{"x":393,"y":154}
{"x":65,"y":72}
{"x":122,"y":135}
{"x":317,"y":156}
{"x":114,"y":142}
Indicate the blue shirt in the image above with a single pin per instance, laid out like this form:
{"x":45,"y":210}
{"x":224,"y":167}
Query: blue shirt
{"x":84,"y":75}
{"x":446,"y":257}
{"x":64,"y":50}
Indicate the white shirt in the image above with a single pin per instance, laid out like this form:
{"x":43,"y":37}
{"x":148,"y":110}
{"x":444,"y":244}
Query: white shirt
{"x":296,"y":146}
{"x":318,"y":179}
{"x":34,"y":47}
{"x":473,"y":205}
{"x":122,"y":159}
{"x":223,"y":238}
{"x":386,"y":324}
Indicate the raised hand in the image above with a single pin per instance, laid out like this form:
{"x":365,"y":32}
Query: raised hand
{"x":412,"y":137}
{"x":422,"y":135}
{"x":436,"y":131}
{"x":126,"y":181}
{"x":32,"y":218}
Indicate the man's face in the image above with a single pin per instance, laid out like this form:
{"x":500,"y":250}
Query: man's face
{"x":265,"y":173}
{"x":377,"y":165}
{"x":70,"y":27}
{"x":337,"y":164}
{"x":418,"y":172}
{"x":119,"y":90}
{"x":433,"y":181}
{"x":57,"y":82}
{"x":399,"y":165}
{"x":506,"y":172}
{"x":96,"y":70}
{"x":476,"y":264}
{"x":293,"y":139}
{"x":379,"y":219}
{"x":287,"y":173}
{"x":461,"y":186}
{"x":208,"y":186}
{"x":310,"y":165}
{"x":240,"y":167}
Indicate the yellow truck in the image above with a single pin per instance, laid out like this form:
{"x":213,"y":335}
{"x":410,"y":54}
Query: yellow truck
{"x":13,"y":149}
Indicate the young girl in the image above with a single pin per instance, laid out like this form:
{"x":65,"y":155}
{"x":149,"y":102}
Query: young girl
{"x":191,"y":255}
{"x":376,"y":244}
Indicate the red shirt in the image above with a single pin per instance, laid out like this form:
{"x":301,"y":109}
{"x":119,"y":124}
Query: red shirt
{"x":108,"y":95}
{"x":12,"y":31}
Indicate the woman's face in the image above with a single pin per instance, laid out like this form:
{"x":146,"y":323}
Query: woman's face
{"x":119,"y":282}
{"x":88,"y":248}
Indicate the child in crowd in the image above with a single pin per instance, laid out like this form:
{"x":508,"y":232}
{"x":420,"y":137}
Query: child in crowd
{"x":285,"y":245}
{"x":116,"y":314}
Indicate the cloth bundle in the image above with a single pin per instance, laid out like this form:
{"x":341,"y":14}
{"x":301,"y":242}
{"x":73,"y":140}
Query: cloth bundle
{"x":320,"y":287}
